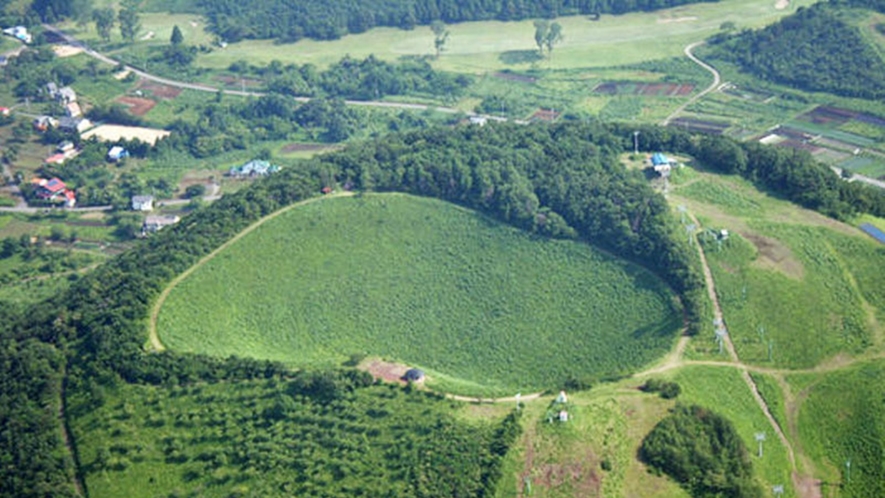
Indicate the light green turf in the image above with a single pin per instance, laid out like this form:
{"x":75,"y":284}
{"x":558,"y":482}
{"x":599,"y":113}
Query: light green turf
{"x":484,"y":46}
{"x":483,"y":307}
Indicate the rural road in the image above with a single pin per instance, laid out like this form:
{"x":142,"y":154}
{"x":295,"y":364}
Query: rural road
{"x":70,"y":40}
{"x":713,"y":86}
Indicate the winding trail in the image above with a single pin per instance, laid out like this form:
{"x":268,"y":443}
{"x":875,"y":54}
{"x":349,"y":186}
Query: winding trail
{"x":713,"y":86}
{"x":154,"y":338}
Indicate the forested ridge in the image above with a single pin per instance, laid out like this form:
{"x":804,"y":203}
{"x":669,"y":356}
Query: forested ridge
{"x":289,"y":20}
{"x":562,"y":181}
{"x":813,"y":49}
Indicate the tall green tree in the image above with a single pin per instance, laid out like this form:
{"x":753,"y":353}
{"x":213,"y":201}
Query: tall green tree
{"x":554,"y":36}
{"x":130,"y":22}
{"x":440,"y":36}
{"x":542,"y":28}
{"x":177,"y":38}
{"x":104,"y":22}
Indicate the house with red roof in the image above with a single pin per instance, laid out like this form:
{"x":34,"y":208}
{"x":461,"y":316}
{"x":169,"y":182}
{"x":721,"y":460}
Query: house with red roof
{"x":54,"y":190}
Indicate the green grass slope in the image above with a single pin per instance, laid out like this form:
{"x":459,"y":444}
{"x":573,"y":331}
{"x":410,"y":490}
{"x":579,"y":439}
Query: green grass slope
{"x":787,"y":277}
{"x":485,"y":308}
{"x":842,"y":419}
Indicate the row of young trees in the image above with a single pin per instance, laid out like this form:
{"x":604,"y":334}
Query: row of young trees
{"x":234,"y":20}
{"x":813,"y":49}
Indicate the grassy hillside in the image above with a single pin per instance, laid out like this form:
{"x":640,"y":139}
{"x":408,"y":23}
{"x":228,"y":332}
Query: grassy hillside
{"x":841,"y":420}
{"x":484,"y":307}
{"x":787,"y":277}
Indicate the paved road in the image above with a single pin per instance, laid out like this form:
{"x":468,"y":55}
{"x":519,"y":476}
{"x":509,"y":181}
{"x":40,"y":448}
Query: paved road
{"x":713,"y":86}
{"x":860,"y":178}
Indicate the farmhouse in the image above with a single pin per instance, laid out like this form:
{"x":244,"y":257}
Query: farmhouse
{"x":74,"y":124}
{"x":256,"y":167}
{"x":414,"y":375}
{"x":116,"y":153}
{"x":57,"y":158}
{"x":43,"y":123}
{"x":65,"y":146}
{"x":54,"y":190}
{"x":52,"y":90}
{"x":142,"y":202}
{"x":662,"y":164}
{"x":73,"y":110}
{"x":157,"y":223}
{"x":66,"y":95}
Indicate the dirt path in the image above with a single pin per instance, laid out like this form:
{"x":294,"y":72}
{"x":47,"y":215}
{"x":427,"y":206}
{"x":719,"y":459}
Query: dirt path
{"x":713,"y":86}
{"x":156,"y":344}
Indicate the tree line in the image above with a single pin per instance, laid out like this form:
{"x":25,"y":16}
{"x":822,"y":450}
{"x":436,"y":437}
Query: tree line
{"x":286,"y":21}
{"x":813,"y":49}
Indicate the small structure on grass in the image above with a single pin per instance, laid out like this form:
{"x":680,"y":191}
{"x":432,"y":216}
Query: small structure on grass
{"x":142,"y":202}
{"x":478,"y":120}
{"x":116,"y":153}
{"x":19,"y":33}
{"x":563,"y":416}
{"x":561,"y":398}
{"x":662,"y":164}
{"x":414,"y":375}
{"x":43,"y":123}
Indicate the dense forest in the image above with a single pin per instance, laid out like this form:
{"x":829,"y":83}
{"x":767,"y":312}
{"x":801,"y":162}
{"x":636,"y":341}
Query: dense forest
{"x":813,"y":49}
{"x":290,"y":21}
{"x":703,"y":452}
{"x":561,"y":181}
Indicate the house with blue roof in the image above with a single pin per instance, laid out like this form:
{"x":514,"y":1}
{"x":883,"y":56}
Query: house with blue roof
{"x":661,"y":163}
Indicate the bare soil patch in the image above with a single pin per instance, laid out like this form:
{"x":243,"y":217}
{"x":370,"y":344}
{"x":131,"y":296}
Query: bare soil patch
{"x":384,"y":370}
{"x":113,"y":133}
{"x":807,"y":486}
{"x":137,"y":106}
{"x":66,"y":50}
{"x":773,"y":255}
{"x":158,"y":90}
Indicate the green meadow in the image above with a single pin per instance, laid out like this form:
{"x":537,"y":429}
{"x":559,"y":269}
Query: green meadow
{"x":483,"y":307}
{"x":493,"y":45}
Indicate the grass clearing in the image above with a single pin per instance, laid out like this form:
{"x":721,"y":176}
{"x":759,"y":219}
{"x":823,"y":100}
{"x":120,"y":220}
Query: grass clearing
{"x":484,"y":308}
{"x":477,"y":47}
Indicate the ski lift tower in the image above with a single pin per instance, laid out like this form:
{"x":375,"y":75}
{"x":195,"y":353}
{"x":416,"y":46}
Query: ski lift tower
{"x":760,"y":437}
{"x":720,"y":337}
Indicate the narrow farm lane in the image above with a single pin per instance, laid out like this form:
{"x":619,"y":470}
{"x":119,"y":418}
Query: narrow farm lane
{"x":713,"y":86}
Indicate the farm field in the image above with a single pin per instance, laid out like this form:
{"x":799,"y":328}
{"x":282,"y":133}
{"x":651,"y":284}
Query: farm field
{"x":483,"y":46}
{"x":484,"y":308}
{"x":789,"y":280}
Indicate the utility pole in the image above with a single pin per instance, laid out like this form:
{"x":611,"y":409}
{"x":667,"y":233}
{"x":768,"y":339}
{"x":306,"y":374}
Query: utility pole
{"x":636,"y":142}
